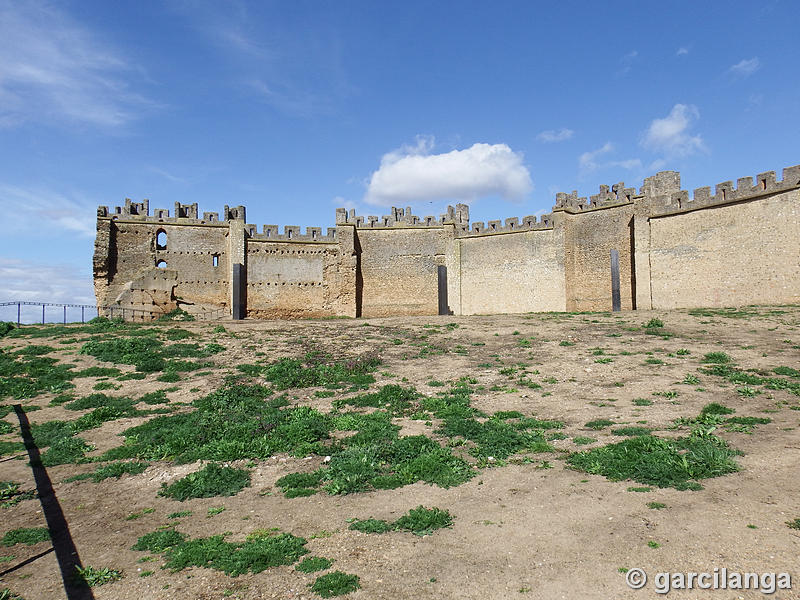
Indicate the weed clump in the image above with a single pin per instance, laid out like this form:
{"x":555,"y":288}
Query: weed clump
{"x":254,"y":555}
{"x":660,"y":462}
{"x":335,"y":584}
{"x":312,"y":564}
{"x":420,"y":521}
{"x":210,"y":481}
{"x":94,"y":577}
{"x":25,"y":535}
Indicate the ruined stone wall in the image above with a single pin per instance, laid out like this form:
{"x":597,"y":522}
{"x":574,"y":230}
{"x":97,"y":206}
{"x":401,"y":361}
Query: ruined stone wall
{"x":737,"y":247}
{"x":157,"y":262}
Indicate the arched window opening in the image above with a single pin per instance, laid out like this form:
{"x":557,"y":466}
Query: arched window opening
{"x":215,"y":259}
{"x":161,"y":240}
{"x":162,"y":264}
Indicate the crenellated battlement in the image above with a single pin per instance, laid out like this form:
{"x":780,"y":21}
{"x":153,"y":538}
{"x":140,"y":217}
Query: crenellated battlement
{"x":615,"y":195}
{"x":402,"y":217}
{"x":183,"y":213}
{"x":291,"y":233}
{"x":725,"y":193}
{"x":510,"y":225}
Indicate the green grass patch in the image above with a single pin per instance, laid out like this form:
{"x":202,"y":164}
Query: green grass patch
{"x":399,"y":401}
{"x":256,"y":554}
{"x":583,"y":440}
{"x":718,"y":358}
{"x":656,"y":461}
{"x":419,"y":521}
{"x":317,"y":369}
{"x":210,"y":481}
{"x":598,"y":424}
{"x":631,"y":431}
{"x":335,"y":584}
{"x":312,"y":564}
{"x":25,"y":535}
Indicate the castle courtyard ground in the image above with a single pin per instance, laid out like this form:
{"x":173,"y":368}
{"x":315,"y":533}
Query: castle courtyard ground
{"x":530,"y":525}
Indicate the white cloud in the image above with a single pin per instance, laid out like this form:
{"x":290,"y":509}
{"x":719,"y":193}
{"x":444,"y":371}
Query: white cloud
{"x":745,"y":67}
{"x":39,"y":206}
{"x":626,"y":62}
{"x":29,"y":281}
{"x":52,"y":68}
{"x":682,"y":51}
{"x":589,"y":161}
{"x":412,"y":174}
{"x":555,"y":135}
{"x":671,"y":135}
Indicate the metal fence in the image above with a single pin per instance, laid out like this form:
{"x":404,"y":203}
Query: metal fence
{"x":56,"y":312}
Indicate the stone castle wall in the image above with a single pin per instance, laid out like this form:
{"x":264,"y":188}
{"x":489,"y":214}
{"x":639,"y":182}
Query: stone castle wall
{"x":737,"y":246}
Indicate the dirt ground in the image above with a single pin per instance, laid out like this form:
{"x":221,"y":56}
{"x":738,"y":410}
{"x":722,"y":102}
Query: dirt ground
{"x":531,"y":528}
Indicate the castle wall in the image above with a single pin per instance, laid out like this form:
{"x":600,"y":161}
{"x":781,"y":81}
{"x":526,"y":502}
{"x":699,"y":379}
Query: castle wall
{"x":189,"y":251}
{"x":512,"y":272}
{"x":737,"y":246}
{"x":740,"y":253}
{"x":588,"y":240}
{"x":286,"y":279}
{"x":398,"y":270}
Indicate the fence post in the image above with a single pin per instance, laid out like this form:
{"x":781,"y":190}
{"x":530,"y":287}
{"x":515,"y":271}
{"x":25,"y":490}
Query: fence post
{"x":19,"y":306}
{"x":65,"y":314}
{"x":82,"y":313}
{"x":42,"y":314}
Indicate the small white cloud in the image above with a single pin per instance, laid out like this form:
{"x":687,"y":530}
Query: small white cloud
{"x":52,"y":67}
{"x":682,"y":51}
{"x":39,"y":206}
{"x":671,"y":135}
{"x":745,"y":68}
{"x":411,"y":174}
{"x":555,"y":135}
{"x":29,"y":281}
{"x":588,"y":160}
{"x":626,"y":62}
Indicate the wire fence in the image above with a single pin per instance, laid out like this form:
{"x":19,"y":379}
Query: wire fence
{"x":23,"y":312}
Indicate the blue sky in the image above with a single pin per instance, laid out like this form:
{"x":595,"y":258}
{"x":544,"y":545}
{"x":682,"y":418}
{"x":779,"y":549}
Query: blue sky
{"x":294,"y":108}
